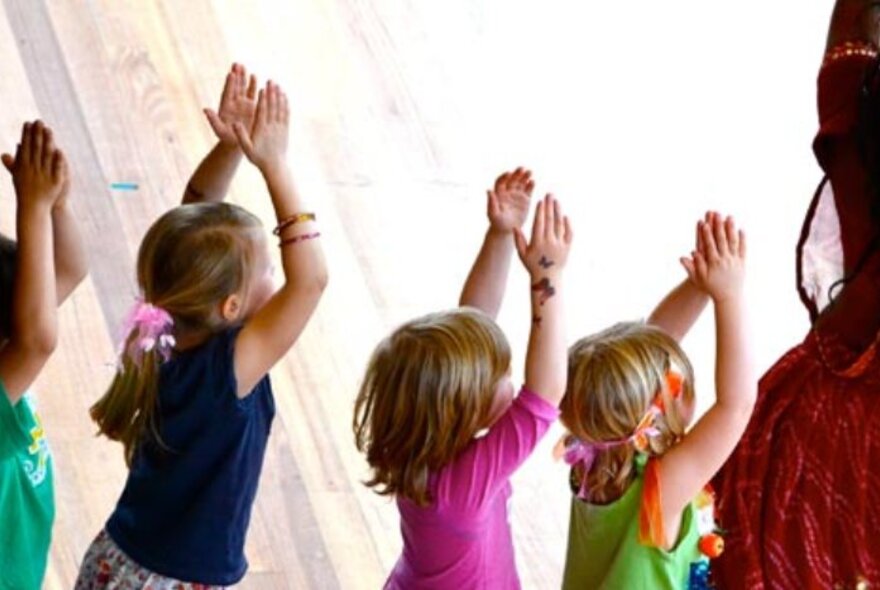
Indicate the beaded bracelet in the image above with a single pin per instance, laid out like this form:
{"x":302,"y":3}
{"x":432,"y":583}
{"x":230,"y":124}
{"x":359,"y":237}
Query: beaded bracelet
{"x":300,"y":238}
{"x":295,"y":218}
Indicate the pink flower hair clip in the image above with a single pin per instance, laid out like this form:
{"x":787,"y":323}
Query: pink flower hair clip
{"x":152,"y":328}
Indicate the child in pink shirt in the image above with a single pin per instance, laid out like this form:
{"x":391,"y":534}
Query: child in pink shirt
{"x":438,"y":381}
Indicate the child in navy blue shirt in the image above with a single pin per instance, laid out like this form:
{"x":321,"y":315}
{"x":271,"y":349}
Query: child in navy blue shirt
{"x":191,"y":401}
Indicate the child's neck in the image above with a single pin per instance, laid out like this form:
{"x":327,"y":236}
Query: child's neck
{"x":186,"y":339}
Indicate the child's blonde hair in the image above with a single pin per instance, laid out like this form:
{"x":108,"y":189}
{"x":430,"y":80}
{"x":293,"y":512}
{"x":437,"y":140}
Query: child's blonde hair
{"x":428,"y":389}
{"x":190,"y":261}
{"x":613,"y":379}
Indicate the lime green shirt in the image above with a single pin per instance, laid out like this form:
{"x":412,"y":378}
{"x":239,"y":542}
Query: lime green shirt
{"x":27,"y":506}
{"x":604,"y":551}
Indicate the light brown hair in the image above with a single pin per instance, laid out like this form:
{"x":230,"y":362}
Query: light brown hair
{"x":189,"y":262}
{"x":427,"y":391}
{"x":613,"y":377}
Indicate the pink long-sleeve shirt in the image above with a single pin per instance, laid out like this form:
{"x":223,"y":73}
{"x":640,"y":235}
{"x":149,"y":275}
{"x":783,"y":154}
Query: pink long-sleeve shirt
{"x":462,"y":541}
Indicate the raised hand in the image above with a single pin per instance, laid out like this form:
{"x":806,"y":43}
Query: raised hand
{"x":39,"y":169}
{"x":509,"y":201}
{"x":717,"y":266}
{"x":238,"y":104}
{"x":265,"y":143}
{"x":547,"y":251}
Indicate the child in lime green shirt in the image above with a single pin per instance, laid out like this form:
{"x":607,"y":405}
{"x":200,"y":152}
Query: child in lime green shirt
{"x":640,"y":516}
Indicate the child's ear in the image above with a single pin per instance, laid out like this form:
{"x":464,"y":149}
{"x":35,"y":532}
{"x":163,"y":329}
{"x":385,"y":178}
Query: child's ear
{"x":230,"y":308}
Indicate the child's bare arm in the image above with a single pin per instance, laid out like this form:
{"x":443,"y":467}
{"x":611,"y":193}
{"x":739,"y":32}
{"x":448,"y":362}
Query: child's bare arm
{"x":273,"y":329}
{"x":71,"y":262}
{"x":70,"y":259}
{"x":508,"y":207}
{"x":544,"y":257}
{"x":38,"y":172}
{"x":211,"y":180}
{"x":718,"y":267}
{"x":677,"y":313}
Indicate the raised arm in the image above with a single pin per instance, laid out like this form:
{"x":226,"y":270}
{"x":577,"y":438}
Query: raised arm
{"x":718,"y":267}
{"x":544,"y":257}
{"x":273,"y":329}
{"x":211,"y":180}
{"x":38,"y":172}
{"x":853,"y":20}
{"x":507,"y":209}
{"x":70,"y":259}
{"x":679,"y":310}
{"x":71,"y":262}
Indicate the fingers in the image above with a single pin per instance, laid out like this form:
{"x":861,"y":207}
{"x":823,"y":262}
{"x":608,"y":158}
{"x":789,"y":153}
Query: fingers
{"x":252,"y":87}
{"x":492,"y":203}
{"x":741,"y":242}
{"x":48,"y":149}
{"x":549,"y":216}
{"x":26,"y":145}
{"x":688,"y":264}
{"x":262,"y":111}
{"x":518,"y":180}
{"x":569,"y":234}
{"x":501,"y":183}
{"x":540,"y":220}
{"x":284,"y":107}
{"x":719,"y":234}
{"x":701,"y":266}
{"x":699,"y":241}
{"x":228,"y":93}
{"x":710,"y":248}
{"x":272,"y":101}
{"x":214,"y":121}
{"x":37,"y":142}
{"x":8,"y":161}
{"x":58,"y":166}
{"x":558,"y":220}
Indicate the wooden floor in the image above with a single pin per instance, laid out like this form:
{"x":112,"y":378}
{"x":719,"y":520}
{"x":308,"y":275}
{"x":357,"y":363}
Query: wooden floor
{"x":404,"y":111}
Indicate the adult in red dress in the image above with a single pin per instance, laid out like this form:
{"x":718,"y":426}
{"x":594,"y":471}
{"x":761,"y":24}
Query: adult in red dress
{"x":800,"y":497}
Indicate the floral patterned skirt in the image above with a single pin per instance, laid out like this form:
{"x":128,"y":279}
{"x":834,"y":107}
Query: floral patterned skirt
{"x":106,"y":567}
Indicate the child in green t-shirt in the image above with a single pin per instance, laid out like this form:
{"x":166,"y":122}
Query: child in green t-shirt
{"x":35,"y":274}
{"x":640,"y":517}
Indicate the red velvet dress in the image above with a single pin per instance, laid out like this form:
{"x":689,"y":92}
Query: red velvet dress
{"x":800,"y":496}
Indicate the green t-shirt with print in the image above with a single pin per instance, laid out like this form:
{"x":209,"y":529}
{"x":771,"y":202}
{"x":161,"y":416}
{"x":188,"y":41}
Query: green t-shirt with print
{"x":27,"y":506}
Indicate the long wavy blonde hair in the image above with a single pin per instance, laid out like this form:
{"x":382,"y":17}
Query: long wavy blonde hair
{"x":428,"y":390}
{"x":613,"y":378}
{"x":190,"y":261}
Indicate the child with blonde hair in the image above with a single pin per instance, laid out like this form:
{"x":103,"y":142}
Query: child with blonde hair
{"x":439,"y":380}
{"x":36,"y":274}
{"x":192,"y":402}
{"x":640,"y":517}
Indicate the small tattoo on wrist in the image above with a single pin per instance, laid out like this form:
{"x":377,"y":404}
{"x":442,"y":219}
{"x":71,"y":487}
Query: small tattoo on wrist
{"x":544,"y":290}
{"x":545,"y":263}
{"x":536,"y":320}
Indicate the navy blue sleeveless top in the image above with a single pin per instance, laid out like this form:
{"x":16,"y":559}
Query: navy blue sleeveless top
{"x":185,"y":508}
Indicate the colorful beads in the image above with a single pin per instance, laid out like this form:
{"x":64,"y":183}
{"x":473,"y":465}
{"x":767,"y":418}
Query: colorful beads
{"x":711,"y":545}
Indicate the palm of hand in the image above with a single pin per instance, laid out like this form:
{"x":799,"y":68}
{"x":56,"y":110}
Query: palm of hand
{"x":512,"y":209}
{"x":509,"y":201}
{"x":723,"y":276}
{"x":234,"y":110}
{"x":269,"y":139}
